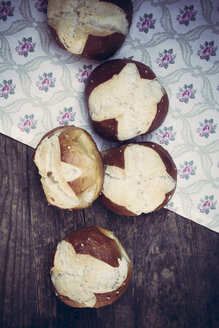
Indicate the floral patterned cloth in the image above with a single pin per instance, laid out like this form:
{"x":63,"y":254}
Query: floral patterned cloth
{"x":41,"y":87}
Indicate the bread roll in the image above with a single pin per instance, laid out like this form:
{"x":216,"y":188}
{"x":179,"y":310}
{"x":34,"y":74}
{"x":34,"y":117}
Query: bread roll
{"x":90,"y":268}
{"x":139,"y":178}
{"x":94,"y":29}
{"x":125,"y":99}
{"x":70,"y":166}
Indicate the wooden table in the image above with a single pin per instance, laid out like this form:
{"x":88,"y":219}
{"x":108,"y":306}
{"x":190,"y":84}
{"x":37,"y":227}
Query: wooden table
{"x":176,"y":271}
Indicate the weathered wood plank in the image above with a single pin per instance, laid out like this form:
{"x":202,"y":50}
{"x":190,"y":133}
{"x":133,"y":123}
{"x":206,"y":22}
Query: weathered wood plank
{"x":17,"y":287}
{"x":175,"y":278}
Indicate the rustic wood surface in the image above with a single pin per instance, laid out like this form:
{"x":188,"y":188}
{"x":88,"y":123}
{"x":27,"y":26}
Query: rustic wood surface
{"x":176,"y":271}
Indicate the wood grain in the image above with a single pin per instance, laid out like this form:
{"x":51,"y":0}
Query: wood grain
{"x":175,"y":278}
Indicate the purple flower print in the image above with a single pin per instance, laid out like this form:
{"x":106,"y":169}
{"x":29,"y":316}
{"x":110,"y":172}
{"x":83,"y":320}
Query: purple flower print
{"x":46,"y":81}
{"x":165,"y":58}
{"x":6,"y":88}
{"x":166,"y":135}
{"x":170,"y":206}
{"x":145,"y":23}
{"x":27,"y":123}
{"x":41,"y":6}
{"x":66,"y":116}
{"x":84,"y":72}
{"x":6,"y":10}
{"x":207,"y":50}
{"x":207,"y":204}
{"x":206,"y":128}
{"x":25,"y":47}
{"x":186,"y":170}
{"x":186,"y":15}
{"x":186,"y":93}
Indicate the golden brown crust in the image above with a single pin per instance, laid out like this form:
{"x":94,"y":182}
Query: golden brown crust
{"x":79,"y":149}
{"x":77,"y":153}
{"x":108,"y":129}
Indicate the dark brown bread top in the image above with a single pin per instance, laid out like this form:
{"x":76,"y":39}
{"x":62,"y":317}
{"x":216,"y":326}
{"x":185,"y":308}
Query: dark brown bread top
{"x":95,"y":242}
{"x":105,"y":72}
